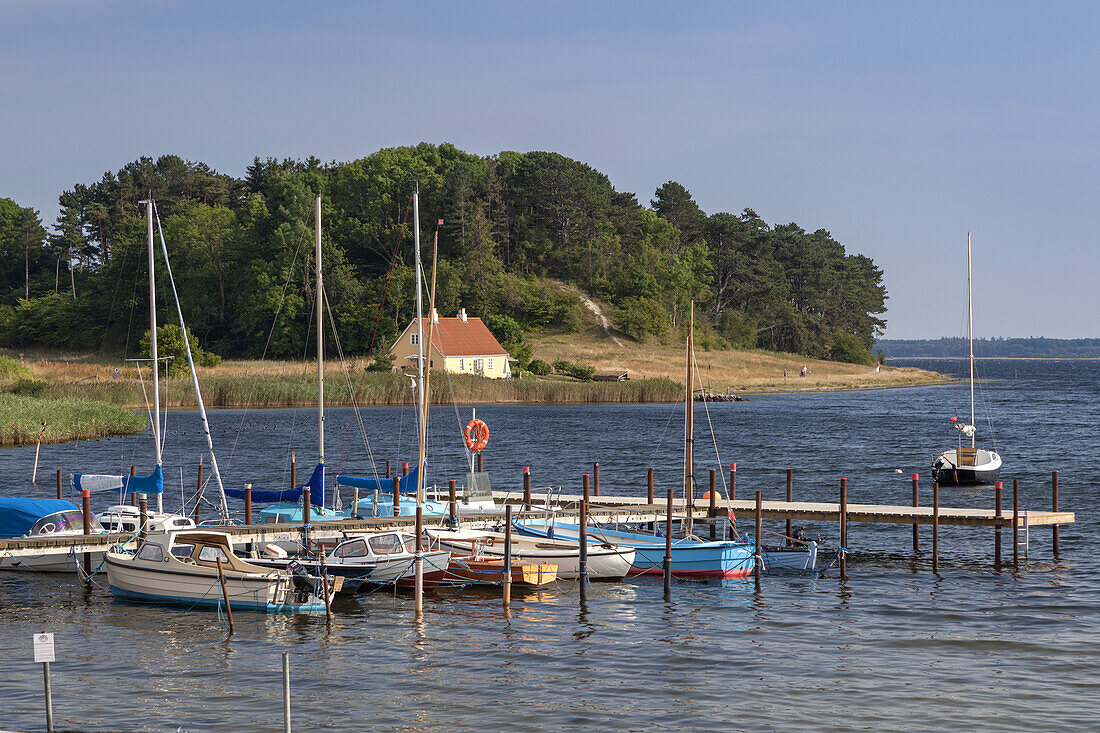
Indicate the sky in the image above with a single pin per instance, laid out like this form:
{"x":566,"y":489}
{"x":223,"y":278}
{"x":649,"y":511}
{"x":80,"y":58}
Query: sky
{"x":896,"y":127}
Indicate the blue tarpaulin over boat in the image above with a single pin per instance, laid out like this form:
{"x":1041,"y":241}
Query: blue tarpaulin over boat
{"x":316,"y":486}
{"x":151,"y":484}
{"x":406,"y":482}
{"x":17,"y":516}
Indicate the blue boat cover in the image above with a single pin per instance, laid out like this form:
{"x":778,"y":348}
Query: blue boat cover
{"x":17,"y":516}
{"x":316,"y":486}
{"x":406,"y":482}
{"x":151,"y":484}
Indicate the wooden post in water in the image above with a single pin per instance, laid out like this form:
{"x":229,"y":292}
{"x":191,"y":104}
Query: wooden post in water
{"x":293,"y":471}
{"x":225,"y":591}
{"x":480,"y":462}
{"x":143,"y":515}
{"x":758,"y":560}
{"x":527,"y":488}
{"x":733,"y":481}
{"x":997,"y":530}
{"x":418,"y":565}
{"x":59,"y":492}
{"x":596,"y":478}
{"x":712,"y":507}
{"x":935,"y":526}
{"x":507,"y":556}
{"x":649,"y":496}
{"x":405,"y":468}
{"x":1015,"y":521}
{"x":668,"y":545}
{"x":86,"y":508}
{"x":1054,"y":506}
{"x":844,"y":528}
{"x":916,"y":503}
{"x":790,"y":498}
{"x":389,"y":473}
{"x":452,"y":497}
{"x":248,"y":503}
{"x":583,"y":536}
{"x":396,"y":496}
{"x":198,"y":492}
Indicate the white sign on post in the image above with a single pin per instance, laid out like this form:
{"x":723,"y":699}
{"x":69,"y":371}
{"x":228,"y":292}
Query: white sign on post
{"x":43,"y":648}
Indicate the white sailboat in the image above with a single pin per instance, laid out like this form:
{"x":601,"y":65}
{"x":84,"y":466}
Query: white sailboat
{"x":962,"y":465}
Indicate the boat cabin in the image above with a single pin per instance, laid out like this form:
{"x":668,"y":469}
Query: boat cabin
{"x":195,"y":547}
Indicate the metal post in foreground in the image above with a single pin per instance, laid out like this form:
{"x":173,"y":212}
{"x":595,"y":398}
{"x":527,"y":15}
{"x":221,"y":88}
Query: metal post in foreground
{"x":844,"y":528}
{"x":935,"y":526}
{"x":49,"y":696}
{"x":508,"y":555}
{"x":1015,"y":521}
{"x":86,"y":502}
{"x":583,"y":536}
{"x":997,"y":530}
{"x":790,"y":498}
{"x":286,"y":692}
{"x":916,"y":503}
{"x":418,"y":565}
{"x":1054,"y":506}
{"x":668,"y":545}
{"x":758,"y":560}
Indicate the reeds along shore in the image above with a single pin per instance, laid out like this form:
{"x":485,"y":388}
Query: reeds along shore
{"x":66,"y":419}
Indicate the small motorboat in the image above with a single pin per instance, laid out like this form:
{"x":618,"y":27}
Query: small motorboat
{"x":182,"y":567}
{"x":474,"y":570}
{"x":22,"y":518}
{"x":126,"y":519}
{"x":605,"y":561}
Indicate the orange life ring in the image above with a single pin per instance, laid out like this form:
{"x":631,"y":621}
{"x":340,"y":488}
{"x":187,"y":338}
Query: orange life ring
{"x":477,"y":435}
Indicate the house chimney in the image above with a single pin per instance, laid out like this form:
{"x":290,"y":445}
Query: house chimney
{"x":462,"y":314}
{"x":435,"y":316}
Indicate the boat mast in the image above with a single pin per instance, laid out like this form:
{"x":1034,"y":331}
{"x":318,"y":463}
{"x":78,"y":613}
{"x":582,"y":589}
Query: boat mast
{"x":320,"y":341}
{"x":689,"y":424}
{"x":419,"y":329}
{"x":153,"y":339}
{"x":970,"y":335}
{"x":427,"y":374}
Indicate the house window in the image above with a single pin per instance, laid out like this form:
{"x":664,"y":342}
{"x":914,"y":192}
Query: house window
{"x":477,"y":365}
{"x":431,"y":363}
{"x":490,"y":362}
{"x":461,"y":364}
{"x":414,"y":339}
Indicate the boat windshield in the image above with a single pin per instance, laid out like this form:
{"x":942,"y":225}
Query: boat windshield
{"x":386,"y":544}
{"x":355,"y":548}
{"x":410,"y":543}
{"x":66,"y":521}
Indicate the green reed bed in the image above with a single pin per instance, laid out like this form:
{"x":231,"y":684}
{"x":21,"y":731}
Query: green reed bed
{"x":70,"y":418}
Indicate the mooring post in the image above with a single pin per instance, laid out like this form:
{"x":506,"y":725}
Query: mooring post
{"x":712,"y":508}
{"x":480,"y":462}
{"x":305,"y":518}
{"x":405,"y":468}
{"x":758,"y":560}
{"x":1015,"y":521}
{"x":286,"y":692}
{"x":507,"y":556}
{"x":583,"y":536}
{"x":649,"y":496}
{"x":389,"y":470}
{"x":248,"y":503}
{"x":86,"y":509}
{"x":418,"y":565}
{"x":133,"y":470}
{"x":143,"y":516}
{"x":997,"y":530}
{"x":133,"y":498}
{"x":293,"y":471}
{"x":596,"y":478}
{"x":844,"y":528}
{"x":733,"y":481}
{"x":396,"y":496}
{"x":790,"y":498}
{"x":324,"y":588}
{"x":935,"y":526}
{"x":527,"y":488}
{"x":668,"y":545}
{"x":916,"y":503}
{"x":452,"y":497}
{"x":225,"y":594}
{"x":1054,"y":506}
{"x":198,"y":492}
{"x":59,"y":493}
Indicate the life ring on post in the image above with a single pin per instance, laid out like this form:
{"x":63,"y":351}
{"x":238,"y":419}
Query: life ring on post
{"x":477,"y":435}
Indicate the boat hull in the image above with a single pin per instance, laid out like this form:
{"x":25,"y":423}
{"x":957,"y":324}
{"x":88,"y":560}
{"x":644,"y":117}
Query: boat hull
{"x":490,"y":571}
{"x":56,"y":563}
{"x":946,"y":472}
{"x":604,"y":563}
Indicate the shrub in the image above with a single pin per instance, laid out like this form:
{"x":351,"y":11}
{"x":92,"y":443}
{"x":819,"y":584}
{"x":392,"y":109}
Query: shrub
{"x":539,"y":367}
{"x":850,"y":348}
{"x":581,"y":372}
{"x":639,"y":317}
{"x":170,"y":344}
{"x":737,"y":329}
{"x":381,"y":363}
{"x":561,"y":366}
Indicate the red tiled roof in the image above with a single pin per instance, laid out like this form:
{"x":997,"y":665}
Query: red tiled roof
{"x":454,"y":338}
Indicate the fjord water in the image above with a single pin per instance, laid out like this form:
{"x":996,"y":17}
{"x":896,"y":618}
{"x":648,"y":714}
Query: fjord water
{"x":892,"y":648}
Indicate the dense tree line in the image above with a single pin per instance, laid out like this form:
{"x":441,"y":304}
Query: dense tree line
{"x":957,"y":348}
{"x":514,"y":227}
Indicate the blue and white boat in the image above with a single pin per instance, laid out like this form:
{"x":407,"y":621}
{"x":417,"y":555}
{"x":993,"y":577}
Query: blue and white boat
{"x":378,"y":501}
{"x":21,"y":517}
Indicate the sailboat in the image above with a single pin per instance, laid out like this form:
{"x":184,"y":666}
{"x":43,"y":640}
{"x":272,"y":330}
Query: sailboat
{"x":962,"y":465}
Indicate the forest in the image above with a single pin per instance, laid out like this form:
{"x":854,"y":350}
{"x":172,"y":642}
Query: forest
{"x":519,"y":235}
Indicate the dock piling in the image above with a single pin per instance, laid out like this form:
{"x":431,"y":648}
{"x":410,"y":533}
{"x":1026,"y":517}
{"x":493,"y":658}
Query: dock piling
{"x":143,"y":515}
{"x":649,"y":495}
{"x":286,"y":692}
{"x":758,"y":560}
{"x":844,"y":528}
{"x":935,"y":526}
{"x":247,"y":504}
{"x":1054,"y":507}
{"x":225,"y":594}
{"x":997,"y":530}
{"x":396,"y":496}
{"x":527,"y":488}
{"x":405,"y":468}
{"x":916,"y":503}
{"x":86,"y":509}
{"x":452,"y":497}
{"x":596,"y":478}
{"x":480,"y":462}
{"x":1016,"y":521}
{"x":733,"y":481}
{"x":293,"y":471}
{"x":389,"y":470}
{"x":668,"y":545}
{"x":790,"y":497}
{"x":507,"y":556}
{"x":583,"y":536}
{"x":59,"y":493}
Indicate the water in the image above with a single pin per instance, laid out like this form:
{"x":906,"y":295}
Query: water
{"x":893,"y":647}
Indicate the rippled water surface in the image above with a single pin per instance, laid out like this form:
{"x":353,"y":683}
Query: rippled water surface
{"x":892,"y":648}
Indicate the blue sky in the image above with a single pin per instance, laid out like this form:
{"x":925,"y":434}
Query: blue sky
{"x":897,"y":127}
